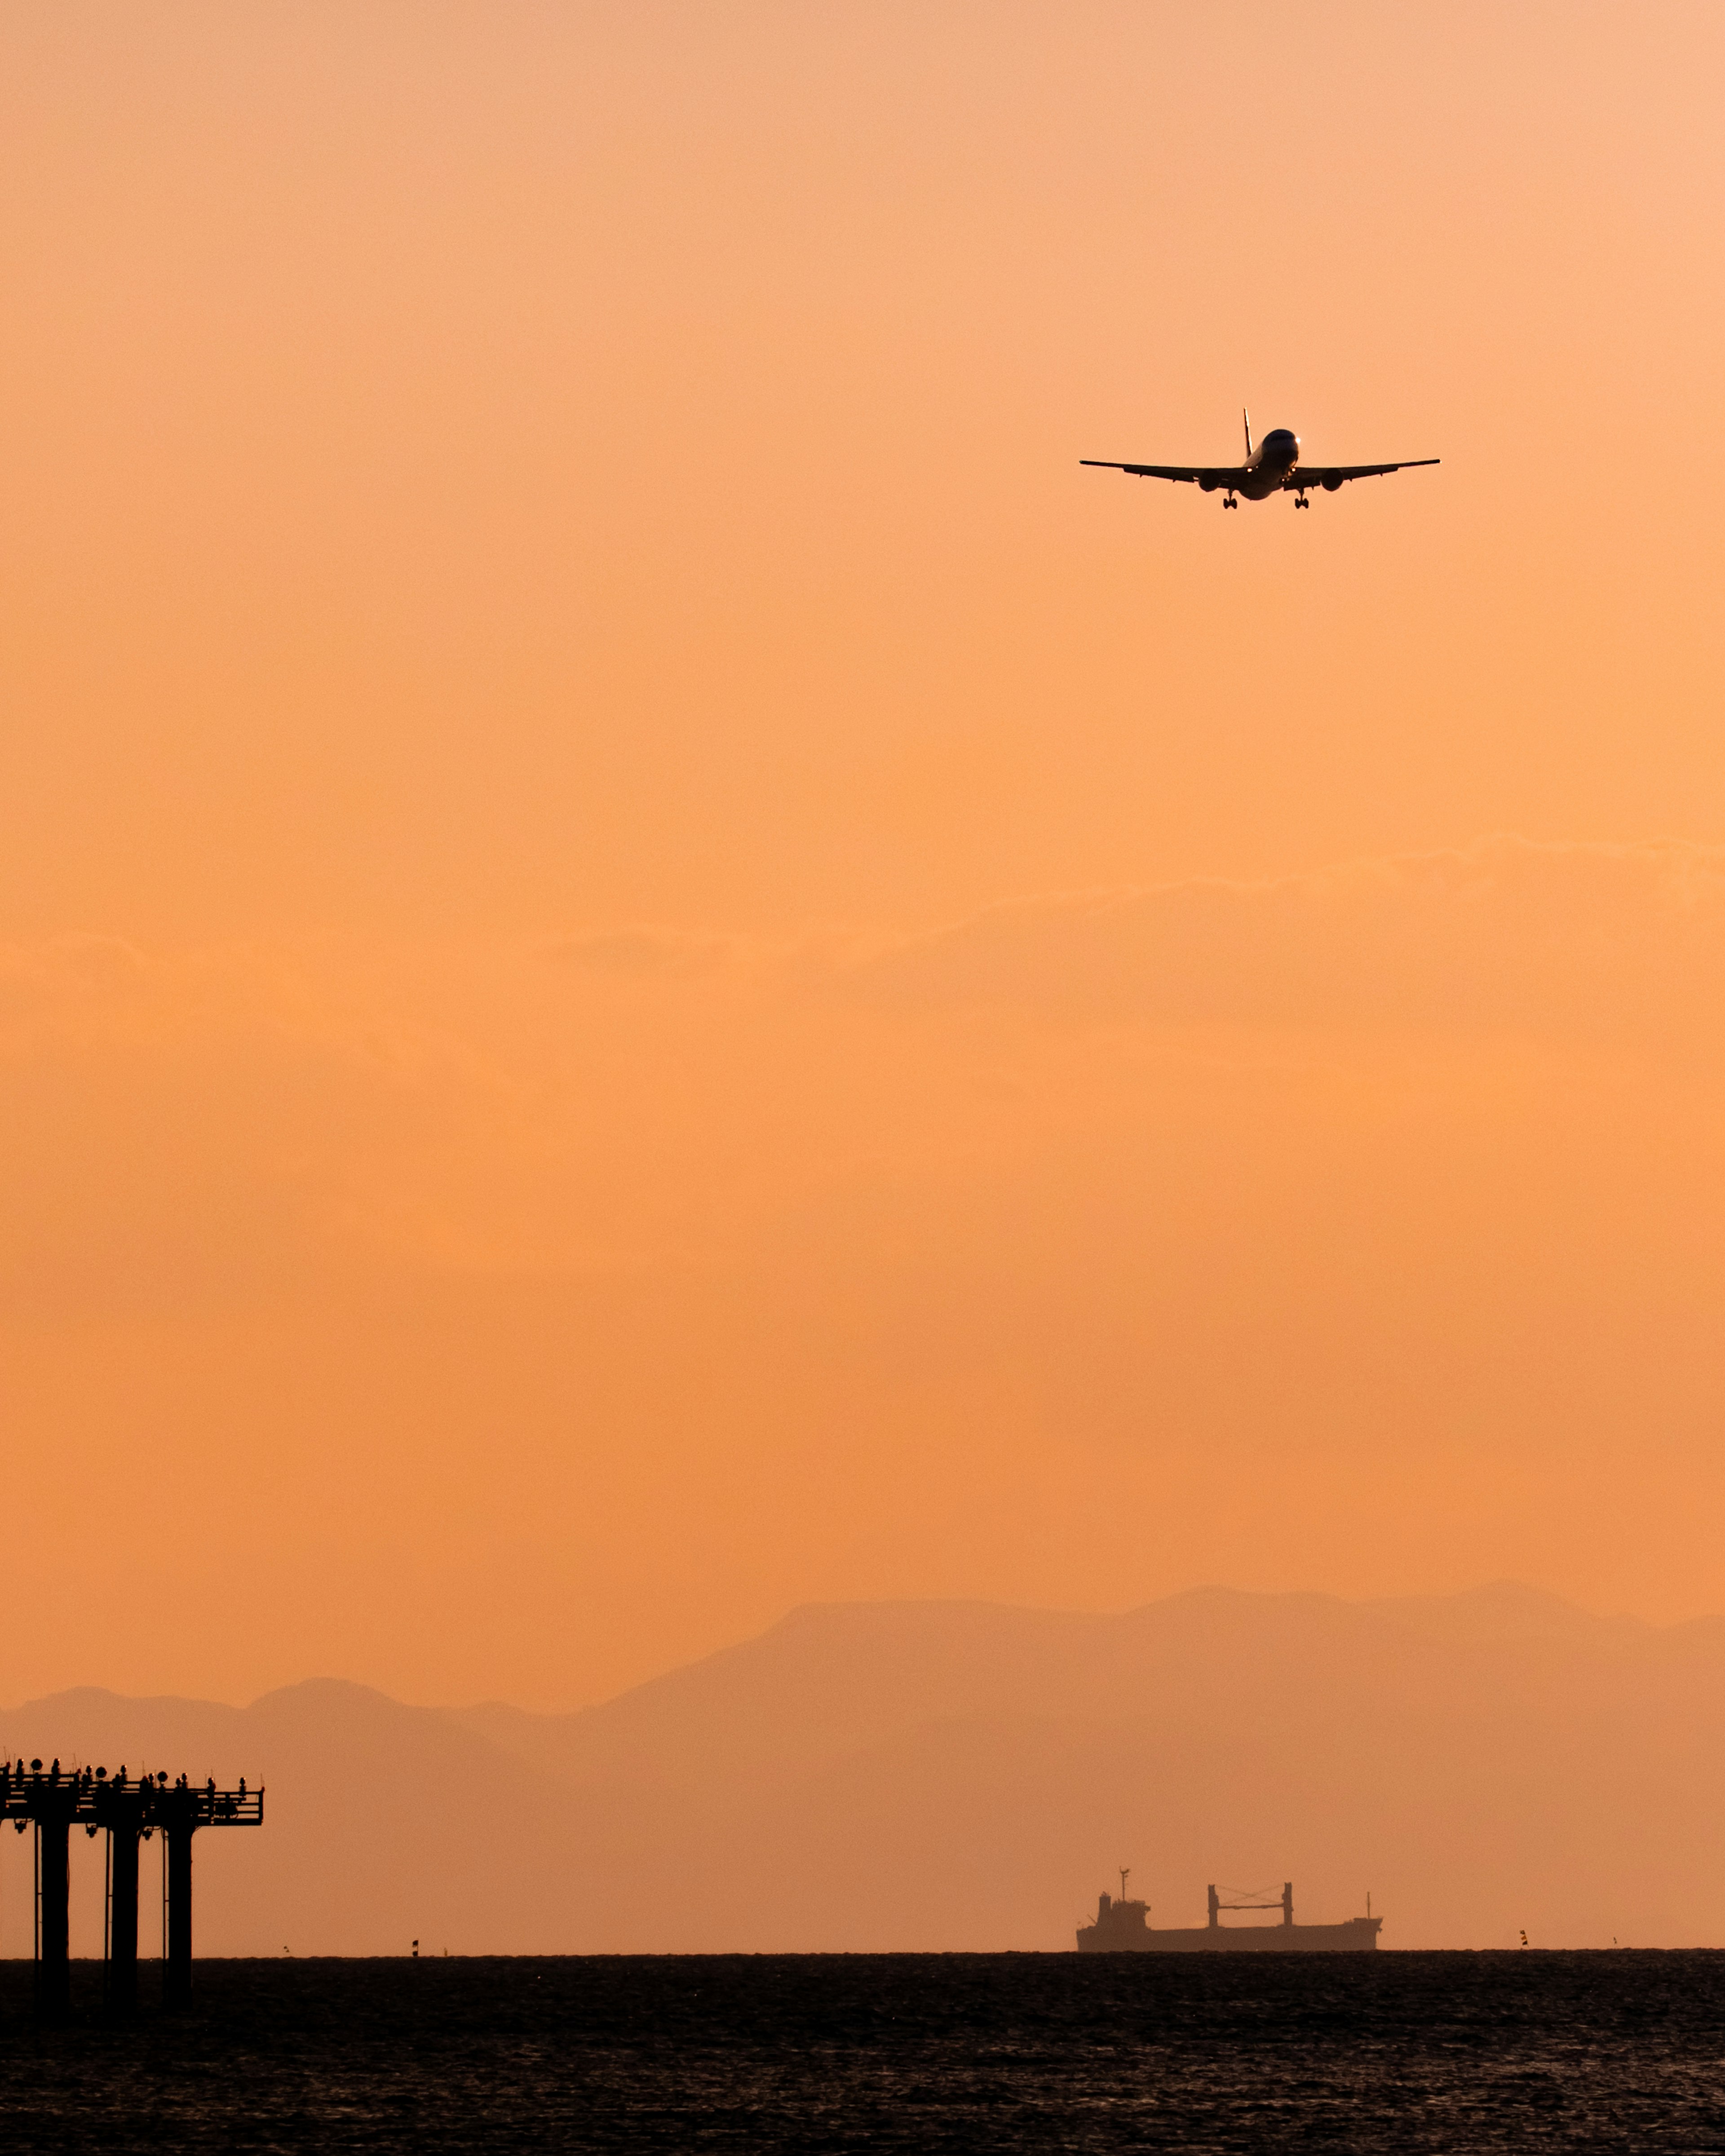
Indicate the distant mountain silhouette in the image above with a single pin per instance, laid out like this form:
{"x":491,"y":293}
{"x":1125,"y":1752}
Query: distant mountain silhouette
{"x":947,"y":1774}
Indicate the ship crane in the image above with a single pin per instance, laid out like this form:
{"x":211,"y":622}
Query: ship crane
{"x":1284,"y":1903}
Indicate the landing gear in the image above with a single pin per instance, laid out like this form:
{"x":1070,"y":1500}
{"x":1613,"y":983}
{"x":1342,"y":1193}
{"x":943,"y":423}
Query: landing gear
{"x":1301,"y":502}
{"x":1230,"y":502}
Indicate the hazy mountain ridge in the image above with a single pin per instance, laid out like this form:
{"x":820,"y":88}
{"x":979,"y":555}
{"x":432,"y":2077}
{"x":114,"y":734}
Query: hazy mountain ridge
{"x":953,"y":1774}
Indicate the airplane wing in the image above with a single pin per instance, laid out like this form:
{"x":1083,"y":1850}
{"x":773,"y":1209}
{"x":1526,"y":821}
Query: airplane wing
{"x":1331,"y":476}
{"x":1205,"y":475}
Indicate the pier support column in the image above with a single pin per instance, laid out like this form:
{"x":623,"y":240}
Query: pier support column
{"x":54,"y":1886}
{"x":176,"y":1972}
{"x":123,"y":1918}
{"x":1215,"y":1909}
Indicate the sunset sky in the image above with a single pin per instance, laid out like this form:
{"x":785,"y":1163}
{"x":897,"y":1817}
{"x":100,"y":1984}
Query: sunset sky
{"x":654,"y":964}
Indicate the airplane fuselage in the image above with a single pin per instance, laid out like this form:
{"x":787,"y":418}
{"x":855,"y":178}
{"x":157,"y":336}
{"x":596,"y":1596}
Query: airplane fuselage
{"x":1268,"y":466}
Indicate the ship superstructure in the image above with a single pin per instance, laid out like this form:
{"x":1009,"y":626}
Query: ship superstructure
{"x":1122,"y":1926}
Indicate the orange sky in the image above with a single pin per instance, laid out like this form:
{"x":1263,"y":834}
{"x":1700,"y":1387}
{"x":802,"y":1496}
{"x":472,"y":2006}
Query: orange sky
{"x":656,"y":964}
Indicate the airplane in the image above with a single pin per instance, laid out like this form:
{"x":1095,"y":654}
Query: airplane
{"x":1273,"y":467}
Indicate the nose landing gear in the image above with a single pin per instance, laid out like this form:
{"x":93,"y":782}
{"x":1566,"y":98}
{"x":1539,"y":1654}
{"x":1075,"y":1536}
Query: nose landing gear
{"x":1301,"y":502}
{"x":1228,"y":502}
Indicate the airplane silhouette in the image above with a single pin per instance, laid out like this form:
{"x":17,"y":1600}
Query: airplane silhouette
{"x":1273,"y":467}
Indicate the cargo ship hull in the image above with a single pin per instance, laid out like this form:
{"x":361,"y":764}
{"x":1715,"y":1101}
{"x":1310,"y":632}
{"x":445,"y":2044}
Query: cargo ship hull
{"x":1358,"y":1935}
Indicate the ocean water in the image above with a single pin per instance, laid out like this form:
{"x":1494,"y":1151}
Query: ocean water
{"x":1401,"y":2052}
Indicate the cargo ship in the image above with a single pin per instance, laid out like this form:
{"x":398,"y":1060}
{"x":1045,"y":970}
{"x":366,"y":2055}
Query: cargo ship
{"x":1122,"y":1926}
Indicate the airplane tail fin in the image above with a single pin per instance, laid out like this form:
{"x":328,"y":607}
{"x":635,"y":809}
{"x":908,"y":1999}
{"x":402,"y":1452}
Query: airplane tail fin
{"x":1247,"y":417}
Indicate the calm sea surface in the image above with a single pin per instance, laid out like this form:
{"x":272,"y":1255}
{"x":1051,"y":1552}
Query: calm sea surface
{"x":1401,"y":2052}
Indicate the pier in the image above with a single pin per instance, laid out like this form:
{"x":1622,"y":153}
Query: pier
{"x":130,"y":1811}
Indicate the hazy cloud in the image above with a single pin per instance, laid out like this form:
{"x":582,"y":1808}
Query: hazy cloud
{"x":1623,"y":941}
{"x":231,"y":1117}
{"x":644,"y":954}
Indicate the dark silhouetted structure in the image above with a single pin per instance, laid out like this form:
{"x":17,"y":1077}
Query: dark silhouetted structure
{"x":132,"y":1811}
{"x":1272,"y":466}
{"x":1123,"y":1926}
